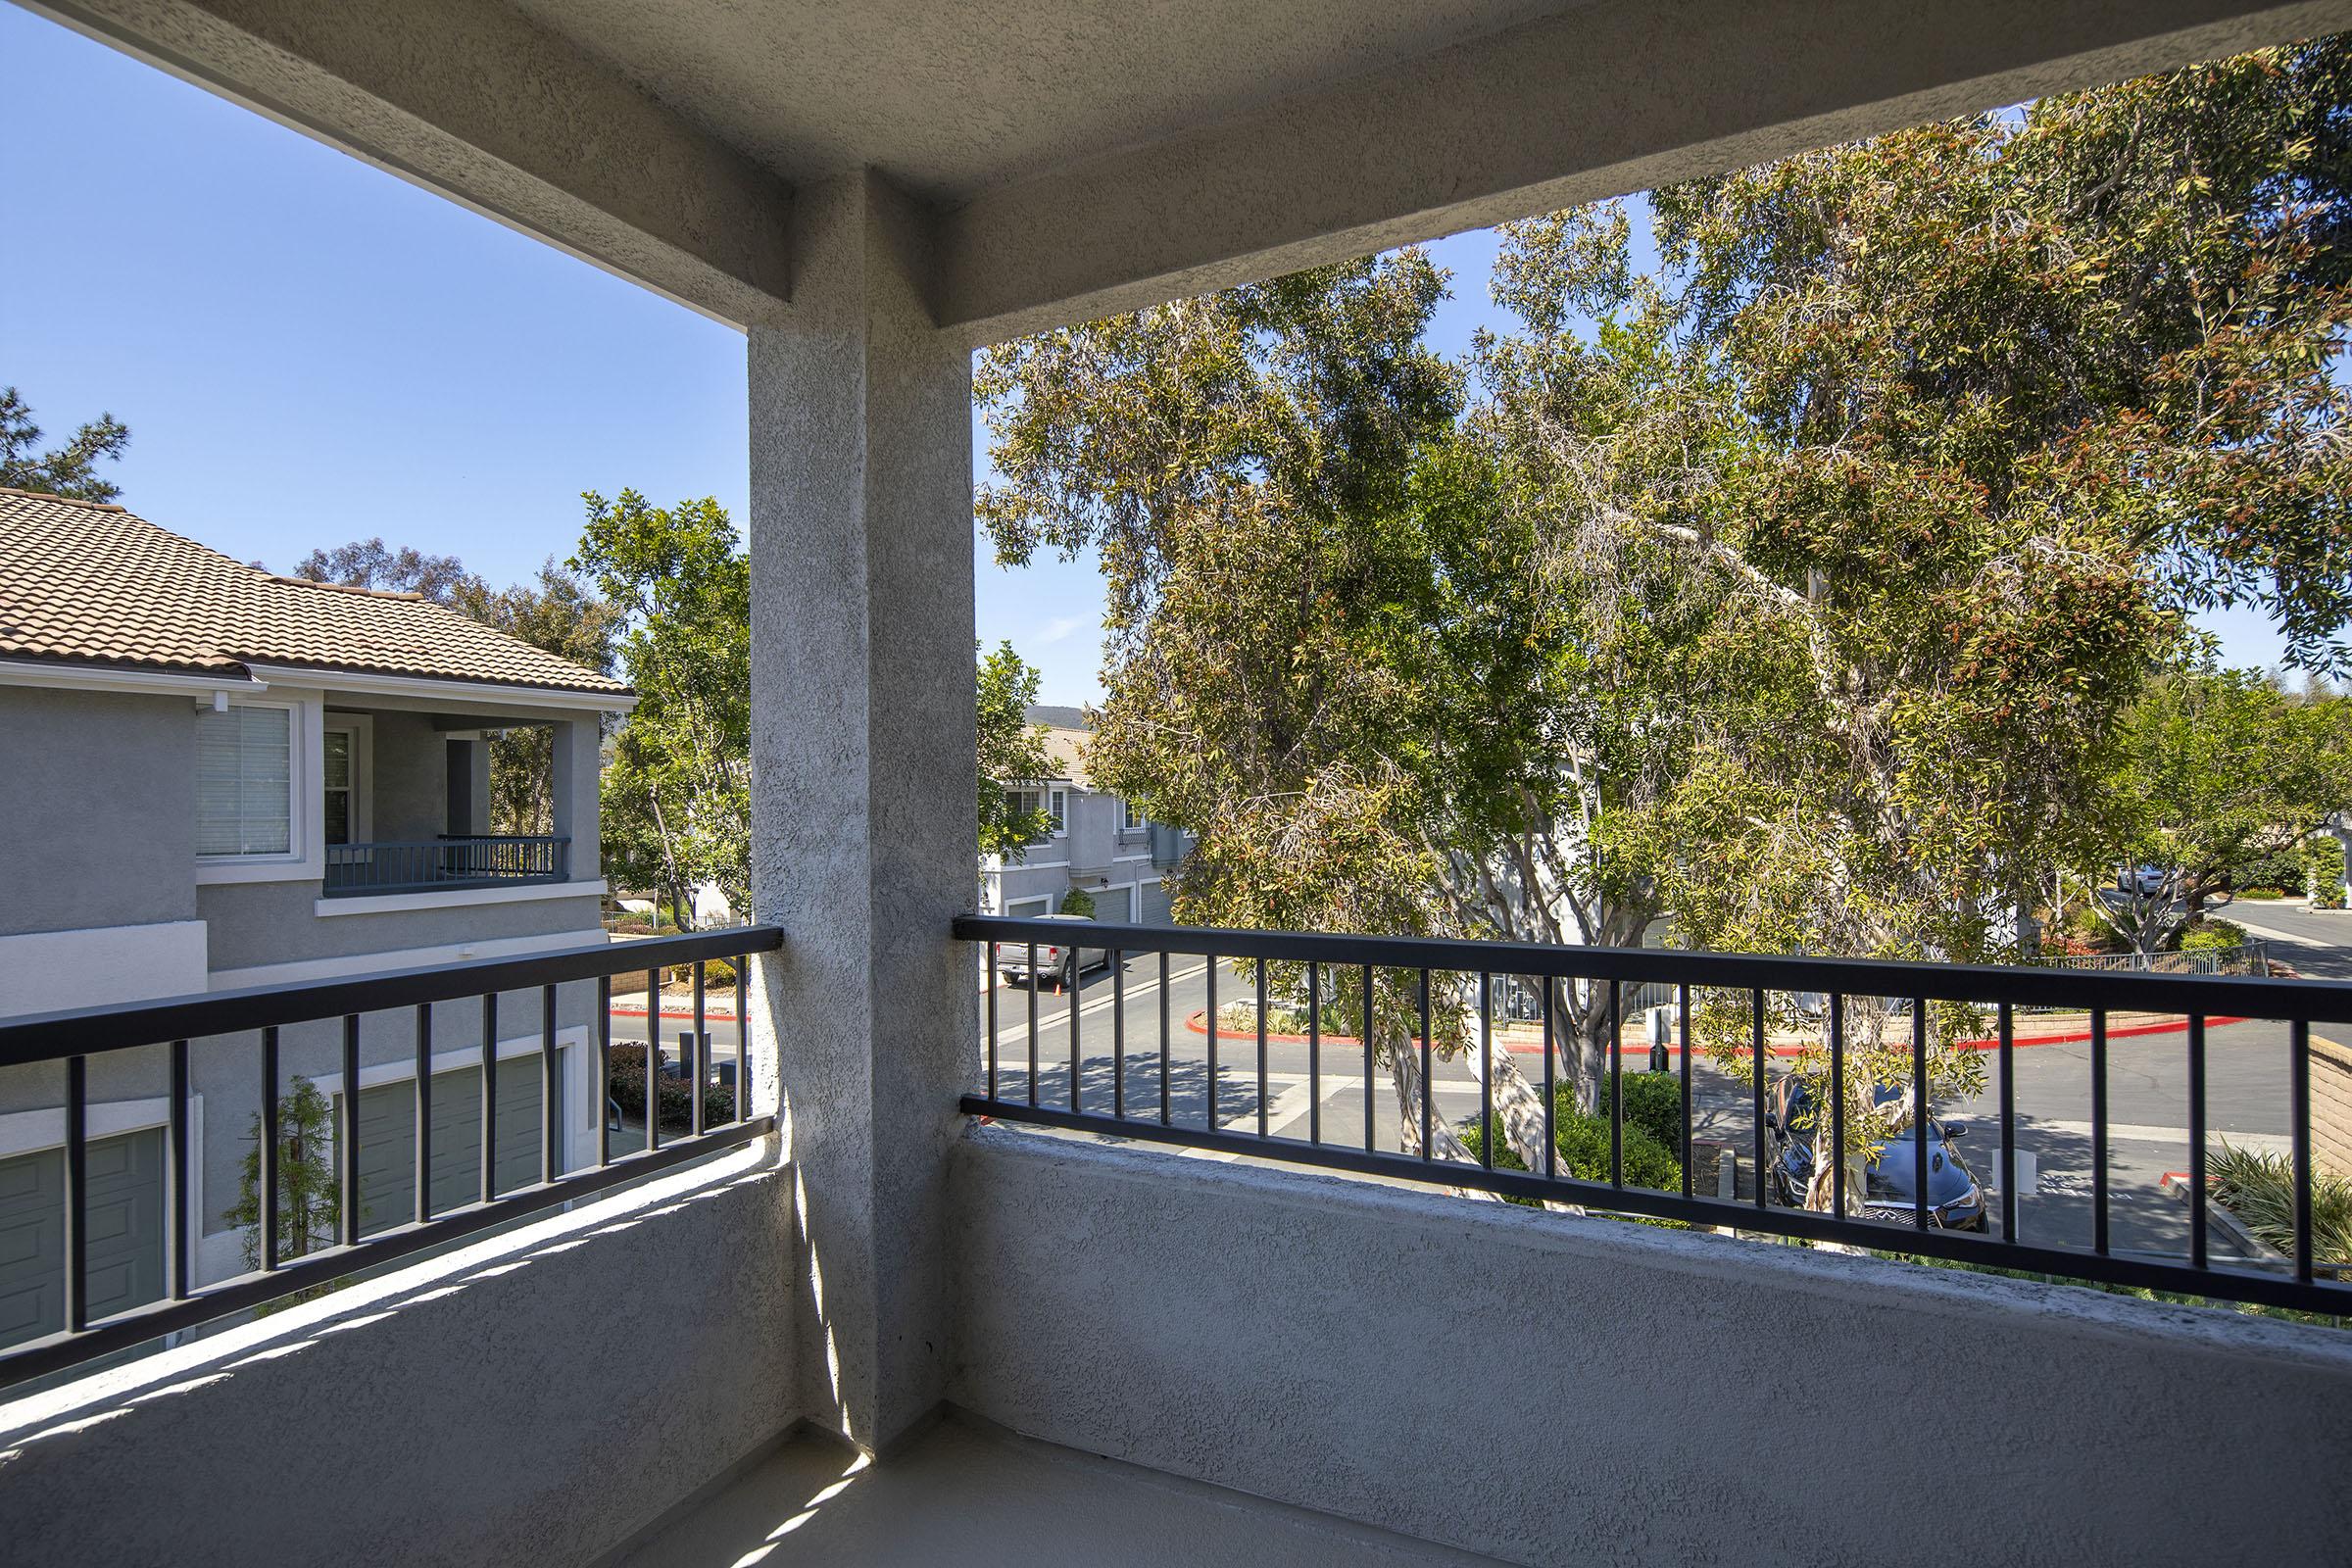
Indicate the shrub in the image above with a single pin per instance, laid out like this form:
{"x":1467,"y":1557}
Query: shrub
{"x":719,"y":975}
{"x":1583,"y":1138}
{"x":2212,"y":936}
{"x":2084,"y":928}
{"x":2260,"y":1190}
{"x":1078,"y":902}
{"x":627,"y":1089}
{"x":2282,"y":869}
{"x":1653,"y":1103}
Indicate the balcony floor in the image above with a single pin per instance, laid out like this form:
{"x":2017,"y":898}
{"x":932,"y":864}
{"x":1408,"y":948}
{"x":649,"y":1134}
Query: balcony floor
{"x":978,"y":1497}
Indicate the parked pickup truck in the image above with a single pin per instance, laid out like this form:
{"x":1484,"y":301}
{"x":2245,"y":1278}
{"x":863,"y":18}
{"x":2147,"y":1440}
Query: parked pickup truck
{"x":1059,"y":962}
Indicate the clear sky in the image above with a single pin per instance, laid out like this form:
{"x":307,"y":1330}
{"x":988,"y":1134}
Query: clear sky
{"x":309,"y":351}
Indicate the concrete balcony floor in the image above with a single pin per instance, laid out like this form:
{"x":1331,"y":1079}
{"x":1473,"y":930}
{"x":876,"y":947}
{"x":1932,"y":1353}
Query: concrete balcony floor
{"x":978,"y":1497}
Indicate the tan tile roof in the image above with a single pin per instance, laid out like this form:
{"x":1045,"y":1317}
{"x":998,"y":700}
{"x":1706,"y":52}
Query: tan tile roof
{"x":92,"y":584}
{"x":1067,"y":748}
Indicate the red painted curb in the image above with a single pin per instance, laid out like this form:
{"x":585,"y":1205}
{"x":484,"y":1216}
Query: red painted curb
{"x":708,"y":1014}
{"x":1194,"y":1022}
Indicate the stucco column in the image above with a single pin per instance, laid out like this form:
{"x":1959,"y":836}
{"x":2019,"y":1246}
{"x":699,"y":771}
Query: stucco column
{"x":862,"y":793}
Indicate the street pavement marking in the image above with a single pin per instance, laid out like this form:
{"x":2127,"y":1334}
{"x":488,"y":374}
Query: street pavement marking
{"x":2140,"y":1133}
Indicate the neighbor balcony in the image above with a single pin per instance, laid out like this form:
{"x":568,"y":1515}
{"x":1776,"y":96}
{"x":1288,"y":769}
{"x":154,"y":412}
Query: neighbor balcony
{"x":446,"y":863}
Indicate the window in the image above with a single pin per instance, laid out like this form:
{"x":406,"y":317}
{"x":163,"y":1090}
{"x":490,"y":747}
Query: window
{"x":1130,"y":817}
{"x":1055,"y":804}
{"x":245,"y":781}
{"x":338,"y":786}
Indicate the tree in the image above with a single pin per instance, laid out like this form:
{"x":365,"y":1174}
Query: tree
{"x":370,"y":563}
{"x":678,"y":790}
{"x":2218,"y":768}
{"x":69,"y":470}
{"x":310,"y":1201}
{"x":1011,"y":751}
{"x":1790,"y":590}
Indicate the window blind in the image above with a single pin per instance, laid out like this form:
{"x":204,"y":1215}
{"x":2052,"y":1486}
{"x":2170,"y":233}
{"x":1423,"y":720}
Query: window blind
{"x":244,"y":782}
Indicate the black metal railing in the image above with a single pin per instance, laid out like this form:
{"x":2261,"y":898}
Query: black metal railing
{"x":74,"y":1038}
{"x":1391,"y":979}
{"x":451,"y":862}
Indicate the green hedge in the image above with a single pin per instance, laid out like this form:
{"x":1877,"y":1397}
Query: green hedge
{"x":1651,"y":1134}
{"x":627,"y":1090}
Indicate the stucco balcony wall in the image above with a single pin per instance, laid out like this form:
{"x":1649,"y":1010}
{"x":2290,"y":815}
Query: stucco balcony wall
{"x":1547,"y":1389}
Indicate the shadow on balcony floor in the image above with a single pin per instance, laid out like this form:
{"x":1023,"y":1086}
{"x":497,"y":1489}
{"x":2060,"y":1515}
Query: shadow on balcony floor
{"x":977,"y":1496}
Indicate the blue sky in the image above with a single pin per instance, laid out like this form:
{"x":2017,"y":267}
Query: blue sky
{"x":310,"y":351}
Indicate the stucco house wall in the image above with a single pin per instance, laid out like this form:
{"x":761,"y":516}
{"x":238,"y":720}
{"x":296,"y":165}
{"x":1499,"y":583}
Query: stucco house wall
{"x":102,"y":823}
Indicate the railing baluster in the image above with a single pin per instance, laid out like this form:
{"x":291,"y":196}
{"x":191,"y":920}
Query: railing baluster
{"x":1837,"y":1100}
{"x":1616,"y":1048}
{"x":1118,"y":1035}
{"x":1486,"y":1069}
{"x":653,"y":1059}
{"x":991,"y":948}
{"x":1682,"y":999}
{"x":1163,"y":1038}
{"x":1550,"y":1094}
{"x":2298,"y":1044}
{"x":550,"y":1163}
{"x":1208,"y":1023}
{"x":1070,"y":1000}
{"x":1366,"y":1043}
{"x":1919,"y":1113}
{"x":2099,"y":1131}
{"x":422,"y":1107}
{"x":176,"y":1153}
{"x":1755,"y":1052}
{"x":1428,"y":1121}
{"x":1261,"y":1047}
{"x":1033,"y":1023}
{"x":2197,"y":1238}
{"x":603,"y":1070}
{"x":1315,"y":1052}
{"x":347,"y":1136}
{"x":2007,"y":1037}
{"x":699,"y":1069}
{"x":743,"y":1030}
{"x":77,"y":1195}
{"x":489,"y":1142}
{"x":268,"y":1150}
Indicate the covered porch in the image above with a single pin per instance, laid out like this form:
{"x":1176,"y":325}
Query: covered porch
{"x":853,"y":1314}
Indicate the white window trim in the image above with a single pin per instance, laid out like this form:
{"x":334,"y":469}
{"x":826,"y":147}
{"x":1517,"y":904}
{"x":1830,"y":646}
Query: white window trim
{"x":306,"y":825}
{"x":460,"y":897}
{"x":1061,"y":828}
{"x":362,"y":729}
{"x":1130,"y":820}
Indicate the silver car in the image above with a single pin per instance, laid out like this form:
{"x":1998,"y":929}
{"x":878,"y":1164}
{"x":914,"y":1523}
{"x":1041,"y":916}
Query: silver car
{"x":1056,"y":961}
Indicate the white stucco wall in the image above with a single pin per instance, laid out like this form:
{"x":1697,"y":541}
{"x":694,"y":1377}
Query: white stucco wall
{"x":538,"y":1398}
{"x":1553,"y":1390}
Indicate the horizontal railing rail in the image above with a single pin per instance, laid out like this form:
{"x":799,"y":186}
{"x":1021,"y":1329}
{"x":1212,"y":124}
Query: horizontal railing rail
{"x":1834,"y":988}
{"x":451,"y":861}
{"x":76,"y":1036}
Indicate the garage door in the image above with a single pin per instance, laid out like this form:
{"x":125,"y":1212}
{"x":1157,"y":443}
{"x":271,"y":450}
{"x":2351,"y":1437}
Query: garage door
{"x":1155,"y":902}
{"x":388,"y":1151}
{"x":125,"y":1215}
{"x":1029,"y":909}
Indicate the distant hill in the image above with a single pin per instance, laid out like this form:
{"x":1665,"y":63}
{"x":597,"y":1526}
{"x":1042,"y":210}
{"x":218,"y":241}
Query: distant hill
{"x":1059,"y":717}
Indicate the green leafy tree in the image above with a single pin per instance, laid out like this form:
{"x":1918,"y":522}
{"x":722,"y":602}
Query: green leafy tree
{"x":676,"y":809}
{"x":2218,"y":768}
{"x":1789,"y":590}
{"x":1013,"y":751}
{"x":68,"y":470}
{"x":309,"y":1200}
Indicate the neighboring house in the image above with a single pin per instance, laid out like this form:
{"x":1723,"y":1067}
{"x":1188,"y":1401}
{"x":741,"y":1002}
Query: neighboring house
{"x":1097,"y":842}
{"x":218,"y":778}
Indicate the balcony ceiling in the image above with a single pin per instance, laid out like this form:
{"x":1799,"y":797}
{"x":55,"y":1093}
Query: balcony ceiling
{"x":948,"y":99}
{"x":1071,"y":157}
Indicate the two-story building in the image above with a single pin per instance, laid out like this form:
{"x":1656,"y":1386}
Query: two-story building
{"x":1098,"y":843}
{"x":221,"y":778}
